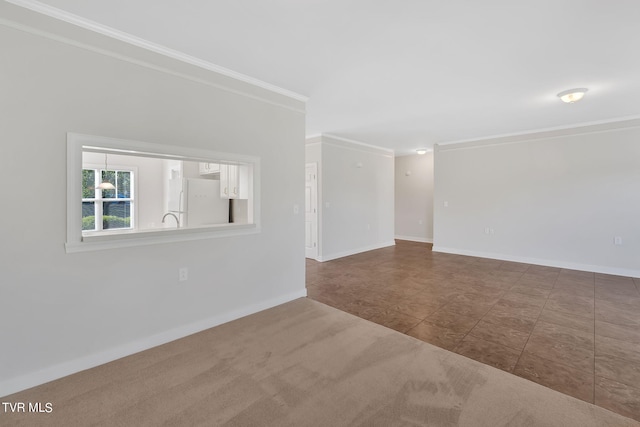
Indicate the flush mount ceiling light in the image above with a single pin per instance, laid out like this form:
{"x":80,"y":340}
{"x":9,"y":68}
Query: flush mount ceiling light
{"x":421,"y":151}
{"x":572,"y":95}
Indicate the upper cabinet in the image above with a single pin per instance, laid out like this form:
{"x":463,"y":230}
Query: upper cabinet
{"x":234,"y":181}
{"x":209,"y":168}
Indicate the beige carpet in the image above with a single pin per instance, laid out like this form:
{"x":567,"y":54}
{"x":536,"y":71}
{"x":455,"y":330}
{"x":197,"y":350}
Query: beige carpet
{"x":302,"y":364}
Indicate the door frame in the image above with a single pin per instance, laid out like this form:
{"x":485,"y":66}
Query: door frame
{"x":313,"y":252}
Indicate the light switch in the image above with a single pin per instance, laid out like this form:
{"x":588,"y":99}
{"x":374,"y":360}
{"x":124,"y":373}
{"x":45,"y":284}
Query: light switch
{"x":296,"y":209}
{"x":446,"y":204}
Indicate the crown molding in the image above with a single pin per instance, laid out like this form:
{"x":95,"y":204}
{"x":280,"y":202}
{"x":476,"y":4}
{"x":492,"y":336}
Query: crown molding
{"x":597,"y":126}
{"x":325,"y":137}
{"x":96,"y":27}
{"x":336,"y":138}
{"x":149,"y":65}
{"x":313,"y":139}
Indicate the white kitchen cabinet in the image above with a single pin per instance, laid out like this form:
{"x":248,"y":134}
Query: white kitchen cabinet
{"x":209,"y":168}
{"x":234,"y":181}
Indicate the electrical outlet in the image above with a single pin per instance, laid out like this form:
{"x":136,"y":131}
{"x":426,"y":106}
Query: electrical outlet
{"x":486,"y":230}
{"x":183,"y":274}
{"x":617,"y":240}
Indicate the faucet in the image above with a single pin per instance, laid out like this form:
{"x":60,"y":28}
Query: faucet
{"x":174,"y":216}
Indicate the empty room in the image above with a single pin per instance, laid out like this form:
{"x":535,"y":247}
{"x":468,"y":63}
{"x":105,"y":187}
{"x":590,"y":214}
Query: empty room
{"x":320,"y":213}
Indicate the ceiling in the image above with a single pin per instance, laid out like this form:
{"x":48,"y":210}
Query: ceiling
{"x":410,"y":73}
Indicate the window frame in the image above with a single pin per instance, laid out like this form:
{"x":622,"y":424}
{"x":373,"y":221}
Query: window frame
{"x":99,"y":200}
{"x":79,"y":242}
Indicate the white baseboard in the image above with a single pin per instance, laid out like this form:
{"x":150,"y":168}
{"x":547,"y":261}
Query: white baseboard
{"x":415,"y":239}
{"x":355,"y":251}
{"x":51,"y":373}
{"x":546,"y":262}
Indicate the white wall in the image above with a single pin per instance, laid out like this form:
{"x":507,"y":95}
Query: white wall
{"x":414,"y":197}
{"x":555,"y":199}
{"x":355,"y":198}
{"x":313,"y":151}
{"x":64,"y":312}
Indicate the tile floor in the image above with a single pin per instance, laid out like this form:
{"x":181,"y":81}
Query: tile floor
{"x":573,"y":331}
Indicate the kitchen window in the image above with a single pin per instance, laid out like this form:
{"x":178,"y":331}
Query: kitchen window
{"x":107,"y":209}
{"x":158,"y":194}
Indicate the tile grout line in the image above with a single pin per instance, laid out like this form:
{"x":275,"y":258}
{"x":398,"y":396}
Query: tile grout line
{"x":484,"y":315}
{"x":465,"y":335}
{"x":538,"y":318}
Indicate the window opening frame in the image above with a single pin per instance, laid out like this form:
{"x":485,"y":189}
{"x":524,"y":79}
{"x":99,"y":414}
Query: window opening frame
{"x":77,"y":241}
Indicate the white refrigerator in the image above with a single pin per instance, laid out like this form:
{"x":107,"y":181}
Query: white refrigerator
{"x":197,"y":202}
